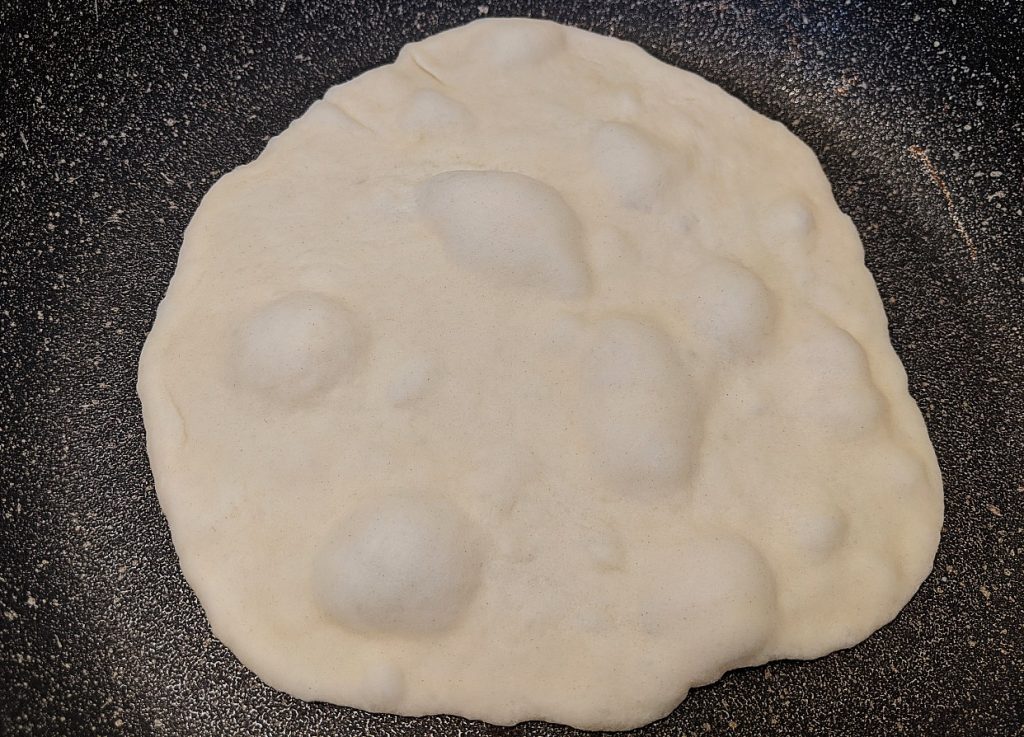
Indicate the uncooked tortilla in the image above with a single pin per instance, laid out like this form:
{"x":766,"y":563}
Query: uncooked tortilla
{"x":531,"y":378}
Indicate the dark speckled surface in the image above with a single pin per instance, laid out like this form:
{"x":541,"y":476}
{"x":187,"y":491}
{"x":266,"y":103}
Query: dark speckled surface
{"x":118,"y":116}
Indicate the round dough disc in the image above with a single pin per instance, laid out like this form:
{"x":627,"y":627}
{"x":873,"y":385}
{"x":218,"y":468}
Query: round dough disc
{"x":531,"y":378}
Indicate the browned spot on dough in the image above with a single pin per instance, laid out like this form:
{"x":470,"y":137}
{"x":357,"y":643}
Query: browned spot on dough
{"x":919,"y":153}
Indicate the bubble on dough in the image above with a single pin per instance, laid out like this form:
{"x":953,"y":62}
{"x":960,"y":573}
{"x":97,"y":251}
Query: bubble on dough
{"x":297,"y":346}
{"x":508,"y":227}
{"x":899,"y":469}
{"x":729,"y":307}
{"x":523,"y":42}
{"x":877,"y":578}
{"x":839,"y":397}
{"x":788,"y":221}
{"x":626,"y":103}
{"x":723,"y":588}
{"x":818,"y":528}
{"x":401,"y":563}
{"x":632,"y":165}
{"x":641,"y":406}
{"x":430,"y":111}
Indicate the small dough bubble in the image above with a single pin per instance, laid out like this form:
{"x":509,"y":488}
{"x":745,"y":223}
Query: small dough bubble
{"x":839,"y":394}
{"x":633,"y":166}
{"x":402,"y":563}
{"x":724,"y":588}
{"x":508,"y":227}
{"x":788,"y":222}
{"x":641,"y":406}
{"x":521,"y":43}
{"x":626,"y":103}
{"x":297,"y":346}
{"x":729,"y":307}
{"x":818,"y":529}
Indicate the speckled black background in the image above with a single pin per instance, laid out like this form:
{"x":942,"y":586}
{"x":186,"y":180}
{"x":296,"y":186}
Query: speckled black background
{"x":117,"y":116}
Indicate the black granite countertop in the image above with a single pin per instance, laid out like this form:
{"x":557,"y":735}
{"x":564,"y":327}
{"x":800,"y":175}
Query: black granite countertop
{"x":117,"y":116}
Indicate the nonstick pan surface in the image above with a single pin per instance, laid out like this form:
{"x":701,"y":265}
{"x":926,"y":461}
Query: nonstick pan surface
{"x":117,"y":116}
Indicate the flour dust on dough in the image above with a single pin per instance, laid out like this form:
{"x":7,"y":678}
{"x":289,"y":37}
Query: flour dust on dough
{"x":531,"y":378}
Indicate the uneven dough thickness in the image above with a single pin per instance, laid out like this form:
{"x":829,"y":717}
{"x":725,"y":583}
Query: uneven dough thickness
{"x":530,"y":378}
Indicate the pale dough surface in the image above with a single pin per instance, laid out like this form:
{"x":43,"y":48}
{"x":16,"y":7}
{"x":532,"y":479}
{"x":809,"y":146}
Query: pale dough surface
{"x":531,"y":378}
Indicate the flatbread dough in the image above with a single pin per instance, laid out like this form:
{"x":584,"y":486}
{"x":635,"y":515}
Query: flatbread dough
{"x":531,"y":378}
